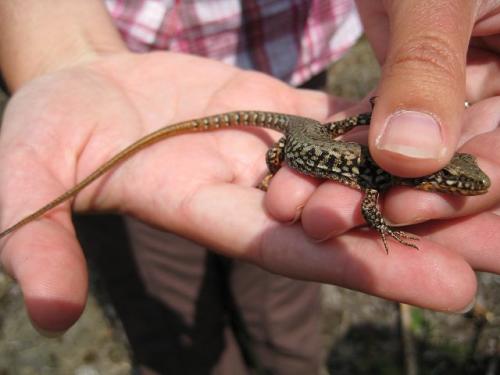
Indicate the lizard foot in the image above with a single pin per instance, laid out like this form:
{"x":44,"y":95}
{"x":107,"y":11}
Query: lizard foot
{"x":399,"y":235}
{"x":264,"y":184}
{"x":274,"y":158}
{"x":374,"y":218}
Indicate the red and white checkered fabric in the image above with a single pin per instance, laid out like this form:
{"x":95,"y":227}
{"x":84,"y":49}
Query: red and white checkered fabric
{"x":289,"y":39}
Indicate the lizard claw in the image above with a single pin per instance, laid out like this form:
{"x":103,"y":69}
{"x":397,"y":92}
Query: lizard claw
{"x":399,"y":236}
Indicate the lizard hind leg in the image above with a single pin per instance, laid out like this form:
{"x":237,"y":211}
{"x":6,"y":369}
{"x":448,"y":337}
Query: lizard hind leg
{"x":374,"y":218}
{"x":274,"y":158}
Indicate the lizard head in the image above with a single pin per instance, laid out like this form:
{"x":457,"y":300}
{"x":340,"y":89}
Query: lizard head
{"x":461,"y":176}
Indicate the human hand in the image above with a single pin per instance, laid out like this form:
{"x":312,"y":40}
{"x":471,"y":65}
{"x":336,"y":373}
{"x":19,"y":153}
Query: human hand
{"x":428,"y":69}
{"x":60,"y":127}
{"x":450,"y":249}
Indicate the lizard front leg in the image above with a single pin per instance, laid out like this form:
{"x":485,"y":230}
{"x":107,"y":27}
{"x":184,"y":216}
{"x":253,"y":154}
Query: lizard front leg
{"x":374,"y":218}
{"x":337,"y":128}
{"x":274,"y":158}
{"x":340,"y":127}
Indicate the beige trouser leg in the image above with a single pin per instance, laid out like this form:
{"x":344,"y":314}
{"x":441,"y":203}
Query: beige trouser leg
{"x":280,"y":314}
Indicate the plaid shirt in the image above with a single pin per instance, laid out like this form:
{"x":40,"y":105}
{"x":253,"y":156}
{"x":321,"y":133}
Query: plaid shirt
{"x":288,"y":39}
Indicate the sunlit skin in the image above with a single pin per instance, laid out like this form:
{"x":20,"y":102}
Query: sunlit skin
{"x":69,"y":114}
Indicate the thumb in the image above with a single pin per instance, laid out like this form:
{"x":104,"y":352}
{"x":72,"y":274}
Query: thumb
{"x":417,"y":117}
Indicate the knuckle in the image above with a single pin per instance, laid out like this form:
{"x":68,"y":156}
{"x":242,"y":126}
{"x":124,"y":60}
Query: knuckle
{"x":430,"y":54}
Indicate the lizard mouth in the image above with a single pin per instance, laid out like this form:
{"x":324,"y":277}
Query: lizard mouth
{"x":471,"y":192}
{"x":468,"y":191}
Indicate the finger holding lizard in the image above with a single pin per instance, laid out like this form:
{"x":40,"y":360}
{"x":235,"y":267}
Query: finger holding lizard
{"x":333,"y":208}
{"x":481,"y":139}
{"x":434,"y":278}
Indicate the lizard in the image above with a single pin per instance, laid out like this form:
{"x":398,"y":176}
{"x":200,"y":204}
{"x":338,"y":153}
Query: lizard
{"x":311,"y":148}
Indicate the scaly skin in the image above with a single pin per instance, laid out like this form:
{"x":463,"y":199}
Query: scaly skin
{"x":310,"y":148}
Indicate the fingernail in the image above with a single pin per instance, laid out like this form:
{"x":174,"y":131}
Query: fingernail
{"x":49,"y":334}
{"x":327,"y":237}
{"x":298,"y":214}
{"x":468,"y":308}
{"x":412,"y":134}
{"x":323,"y":239}
{"x":411,"y":221}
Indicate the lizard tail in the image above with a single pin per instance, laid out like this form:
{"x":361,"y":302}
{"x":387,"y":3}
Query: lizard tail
{"x":269,"y":120}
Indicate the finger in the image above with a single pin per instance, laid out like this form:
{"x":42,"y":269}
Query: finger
{"x":332,"y":209}
{"x":43,"y":256}
{"x":476,"y":238}
{"x":422,"y":206}
{"x":480,"y":118}
{"x":375,"y":25}
{"x":433,"y":277}
{"x":416,"y":120}
{"x":483,"y":74}
{"x":288,"y":193}
{"x":48,"y":264}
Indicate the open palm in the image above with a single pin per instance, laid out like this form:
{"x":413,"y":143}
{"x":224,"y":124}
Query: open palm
{"x":59,"y":128}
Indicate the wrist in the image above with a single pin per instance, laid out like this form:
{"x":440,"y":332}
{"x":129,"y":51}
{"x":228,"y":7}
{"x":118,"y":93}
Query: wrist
{"x":39,"y":37}
{"x":76,"y":50}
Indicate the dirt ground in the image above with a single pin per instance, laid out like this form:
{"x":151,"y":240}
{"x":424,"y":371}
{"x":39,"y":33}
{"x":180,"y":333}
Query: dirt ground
{"x":362,"y":334}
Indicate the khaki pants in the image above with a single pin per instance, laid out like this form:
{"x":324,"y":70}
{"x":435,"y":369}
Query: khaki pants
{"x":280,"y":315}
{"x":187,"y":310}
